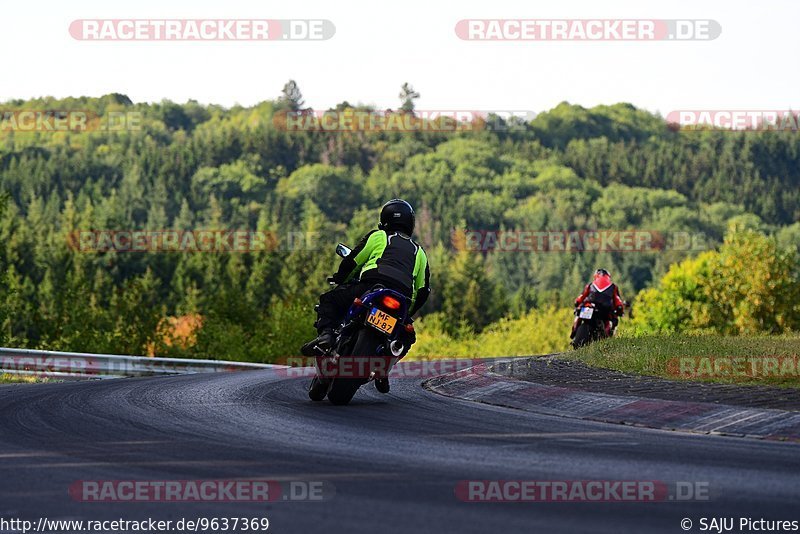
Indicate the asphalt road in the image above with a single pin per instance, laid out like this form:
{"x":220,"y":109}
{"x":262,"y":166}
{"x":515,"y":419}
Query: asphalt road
{"x":393,"y":460}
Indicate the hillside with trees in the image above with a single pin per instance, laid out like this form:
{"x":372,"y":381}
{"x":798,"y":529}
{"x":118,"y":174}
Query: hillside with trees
{"x":191,"y":166}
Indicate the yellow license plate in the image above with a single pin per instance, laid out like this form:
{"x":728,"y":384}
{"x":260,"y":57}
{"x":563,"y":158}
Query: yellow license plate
{"x":381,"y":320}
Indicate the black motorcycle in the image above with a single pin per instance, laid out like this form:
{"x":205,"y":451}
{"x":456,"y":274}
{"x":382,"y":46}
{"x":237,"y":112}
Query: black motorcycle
{"x":376,"y":333}
{"x":590,"y":324}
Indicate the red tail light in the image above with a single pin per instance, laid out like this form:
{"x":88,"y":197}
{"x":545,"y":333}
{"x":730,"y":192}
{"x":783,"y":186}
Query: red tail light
{"x":409,"y":328}
{"x":357,"y":302}
{"x":391,"y":302}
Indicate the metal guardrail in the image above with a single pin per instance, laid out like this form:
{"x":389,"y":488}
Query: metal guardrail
{"x":54,"y":364}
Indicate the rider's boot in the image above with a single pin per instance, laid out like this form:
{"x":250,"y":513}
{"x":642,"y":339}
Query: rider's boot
{"x":382,"y":385}
{"x":322,"y":344}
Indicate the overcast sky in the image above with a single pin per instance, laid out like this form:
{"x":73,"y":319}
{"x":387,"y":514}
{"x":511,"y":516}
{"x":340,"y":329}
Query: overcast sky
{"x":380,"y":45}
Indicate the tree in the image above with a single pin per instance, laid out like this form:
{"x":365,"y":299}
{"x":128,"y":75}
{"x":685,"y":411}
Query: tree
{"x":291,"y":96}
{"x":194,"y":166}
{"x":334,"y":190}
{"x":470,"y":295}
{"x":407,"y":97}
{"x":175,"y":117}
{"x":751,"y":285}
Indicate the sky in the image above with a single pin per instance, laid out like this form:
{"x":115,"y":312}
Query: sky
{"x":378,"y":46}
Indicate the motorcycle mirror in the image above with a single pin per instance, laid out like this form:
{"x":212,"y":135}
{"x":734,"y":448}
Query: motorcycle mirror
{"x":343,"y":250}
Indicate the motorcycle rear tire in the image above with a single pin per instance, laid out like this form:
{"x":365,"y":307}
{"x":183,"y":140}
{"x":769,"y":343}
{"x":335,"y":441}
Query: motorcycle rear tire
{"x":317,"y":390}
{"x":344,"y":389}
{"x":583,"y":336}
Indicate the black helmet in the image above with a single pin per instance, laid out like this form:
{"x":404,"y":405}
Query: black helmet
{"x":600,"y":272}
{"x":397,"y":214}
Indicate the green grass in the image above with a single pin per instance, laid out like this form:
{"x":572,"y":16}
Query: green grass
{"x":6,"y":378}
{"x":765,"y":360}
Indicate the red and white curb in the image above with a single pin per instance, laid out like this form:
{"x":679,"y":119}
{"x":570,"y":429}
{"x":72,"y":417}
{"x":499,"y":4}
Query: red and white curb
{"x":480,"y":384}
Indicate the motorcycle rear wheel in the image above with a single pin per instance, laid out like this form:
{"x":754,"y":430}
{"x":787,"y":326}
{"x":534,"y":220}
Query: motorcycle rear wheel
{"x":317,"y":390}
{"x":343,"y":389}
{"x":583,"y":336}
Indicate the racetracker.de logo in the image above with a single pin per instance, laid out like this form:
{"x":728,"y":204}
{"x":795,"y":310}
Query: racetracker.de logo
{"x":756,"y":120}
{"x":364,"y":367}
{"x":734,"y":366}
{"x":575,"y":241}
{"x":587,"y":30}
{"x":74,"y":121}
{"x":580,"y":491}
{"x":356,"y":120}
{"x":201,"y":29}
{"x":199,"y":490}
{"x":190,"y":241}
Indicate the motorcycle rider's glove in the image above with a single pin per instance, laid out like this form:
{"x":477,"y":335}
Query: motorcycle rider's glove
{"x":339,"y":278}
{"x":422,"y":298}
{"x":409,"y":338}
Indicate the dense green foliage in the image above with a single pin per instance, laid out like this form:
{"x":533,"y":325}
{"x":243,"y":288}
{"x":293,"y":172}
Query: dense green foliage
{"x":750,"y":286}
{"x":541,"y":331}
{"x":192,"y":166}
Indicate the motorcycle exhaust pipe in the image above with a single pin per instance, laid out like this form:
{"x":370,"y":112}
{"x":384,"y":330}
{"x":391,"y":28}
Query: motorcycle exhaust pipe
{"x":396,"y":348}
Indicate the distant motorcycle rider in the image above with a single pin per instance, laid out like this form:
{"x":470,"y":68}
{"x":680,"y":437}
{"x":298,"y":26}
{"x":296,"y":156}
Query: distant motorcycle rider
{"x":604,"y":294}
{"x":387,"y":256}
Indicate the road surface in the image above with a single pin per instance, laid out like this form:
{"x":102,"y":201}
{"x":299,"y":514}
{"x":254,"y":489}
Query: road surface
{"x":394,"y":460}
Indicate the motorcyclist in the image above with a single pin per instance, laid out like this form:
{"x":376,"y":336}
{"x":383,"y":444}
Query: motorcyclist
{"x":386,"y":256}
{"x":604,"y":294}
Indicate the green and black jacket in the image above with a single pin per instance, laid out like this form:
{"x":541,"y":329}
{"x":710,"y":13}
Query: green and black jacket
{"x":389,"y":256}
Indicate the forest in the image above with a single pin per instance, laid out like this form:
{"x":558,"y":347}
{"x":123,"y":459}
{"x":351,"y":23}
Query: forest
{"x":720,"y":211}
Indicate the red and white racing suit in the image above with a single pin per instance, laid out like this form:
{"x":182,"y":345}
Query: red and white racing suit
{"x":603,"y":293}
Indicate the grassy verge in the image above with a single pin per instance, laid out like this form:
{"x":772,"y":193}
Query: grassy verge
{"x":766,"y":360}
{"x":6,"y":378}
